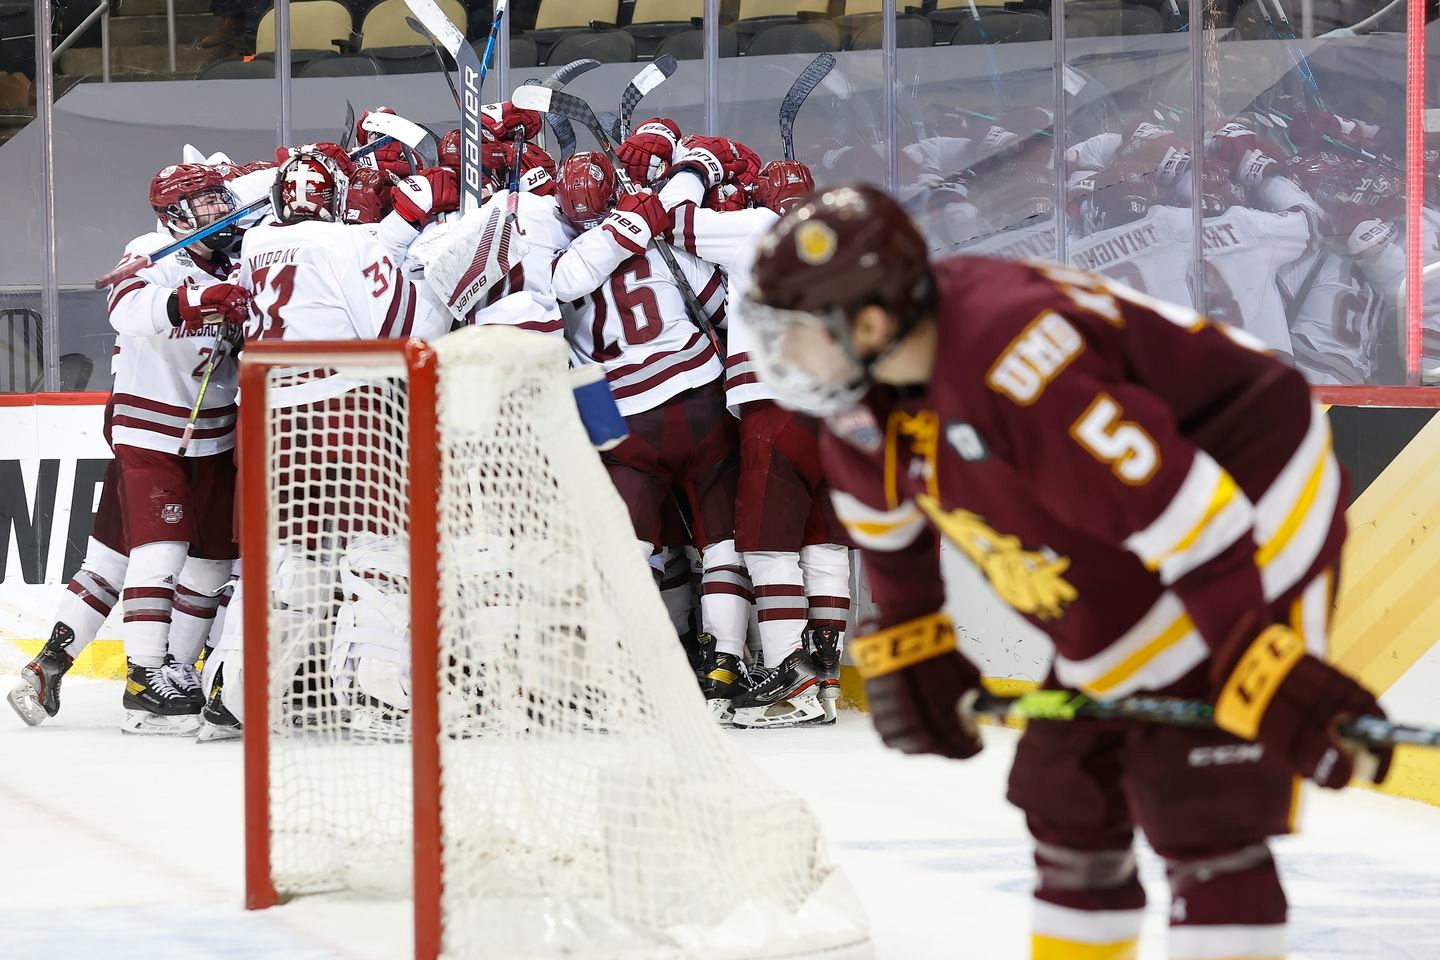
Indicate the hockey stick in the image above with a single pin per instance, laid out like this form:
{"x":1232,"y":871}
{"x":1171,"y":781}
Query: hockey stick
{"x":218,"y":352}
{"x":795,"y":98}
{"x":132,"y":265}
{"x":472,"y":80}
{"x":546,"y":100}
{"x":654,"y":74}
{"x":610,"y":123}
{"x":564,"y":133}
{"x":1297,"y":56}
{"x":1074,"y":705}
{"x":347,"y":132}
{"x":419,"y":28}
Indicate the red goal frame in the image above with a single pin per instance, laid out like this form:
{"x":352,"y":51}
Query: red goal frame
{"x":422,"y":457}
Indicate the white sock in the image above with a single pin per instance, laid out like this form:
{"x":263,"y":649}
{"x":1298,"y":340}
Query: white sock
{"x":827,"y":585}
{"x":725,"y":597}
{"x":149,"y":594}
{"x":92,"y":593}
{"x":677,"y":587}
{"x":197,"y":597}
{"x":779,"y":602}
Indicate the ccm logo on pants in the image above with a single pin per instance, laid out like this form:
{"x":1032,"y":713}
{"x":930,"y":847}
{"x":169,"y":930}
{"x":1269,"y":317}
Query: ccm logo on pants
{"x":1226,"y":755}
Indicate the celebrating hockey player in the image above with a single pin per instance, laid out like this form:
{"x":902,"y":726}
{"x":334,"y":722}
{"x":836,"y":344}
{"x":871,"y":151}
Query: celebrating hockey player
{"x":627,"y":312}
{"x":784,"y":524}
{"x":171,"y":317}
{"x":1156,"y":496}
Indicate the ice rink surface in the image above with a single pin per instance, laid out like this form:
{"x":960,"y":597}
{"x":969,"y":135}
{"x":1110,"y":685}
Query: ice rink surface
{"x":130,"y":848}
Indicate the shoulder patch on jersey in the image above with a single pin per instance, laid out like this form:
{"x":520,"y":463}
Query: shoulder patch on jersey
{"x":966,"y":441}
{"x":857,"y":427}
{"x":815,"y":242}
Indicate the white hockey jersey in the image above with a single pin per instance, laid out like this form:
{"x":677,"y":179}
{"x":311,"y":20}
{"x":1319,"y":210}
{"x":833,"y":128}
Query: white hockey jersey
{"x":728,"y":240}
{"x":1244,"y":251}
{"x":158,"y":366}
{"x":1031,"y":240}
{"x":625,"y":312}
{"x":526,"y":299}
{"x":1151,"y":254}
{"x":1334,"y":317}
{"x":1385,"y":269}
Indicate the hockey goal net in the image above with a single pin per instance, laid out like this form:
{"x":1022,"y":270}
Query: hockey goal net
{"x":463,"y":687}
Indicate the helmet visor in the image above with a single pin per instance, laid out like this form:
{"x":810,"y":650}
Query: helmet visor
{"x":803,"y":359}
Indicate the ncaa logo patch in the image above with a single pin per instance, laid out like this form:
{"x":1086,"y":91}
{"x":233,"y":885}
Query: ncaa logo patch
{"x":172,"y":513}
{"x":858,"y":428}
{"x":966,"y":441}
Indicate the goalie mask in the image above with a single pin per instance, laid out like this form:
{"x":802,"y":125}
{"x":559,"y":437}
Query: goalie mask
{"x":835,"y":253}
{"x":309,"y":186}
{"x":586,"y":189}
{"x":190,"y":196}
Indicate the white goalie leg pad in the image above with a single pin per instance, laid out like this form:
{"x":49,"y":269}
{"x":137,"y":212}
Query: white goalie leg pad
{"x":371,"y":650}
{"x":229,"y":653}
{"x":304,"y":582}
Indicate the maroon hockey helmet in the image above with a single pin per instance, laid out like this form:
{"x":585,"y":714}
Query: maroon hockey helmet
{"x":586,"y":188}
{"x":781,"y":184}
{"x":1011,"y":192}
{"x":1218,"y":192}
{"x":1122,"y":193}
{"x":189,"y":196}
{"x":368,"y":199}
{"x":834,"y":253}
{"x":448,"y":150}
{"x":309,"y":186}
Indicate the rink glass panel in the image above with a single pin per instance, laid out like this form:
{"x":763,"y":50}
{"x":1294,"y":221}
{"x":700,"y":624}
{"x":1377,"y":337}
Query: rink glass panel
{"x":1125,"y":61}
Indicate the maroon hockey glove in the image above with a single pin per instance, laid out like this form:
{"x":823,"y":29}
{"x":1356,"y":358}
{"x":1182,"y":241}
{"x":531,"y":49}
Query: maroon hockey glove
{"x":717,"y":160}
{"x":726,"y":198}
{"x":636,"y":218}
{"x":501,"y":120}
{"x":432,"y":191}
{"x":1293,"y":703}
{"x":650,"y":150}
{"x":193,"y":308}
{"x":920,"y":688}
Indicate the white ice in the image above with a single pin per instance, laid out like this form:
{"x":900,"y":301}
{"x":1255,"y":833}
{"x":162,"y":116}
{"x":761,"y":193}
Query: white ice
{"x":125,"y":848}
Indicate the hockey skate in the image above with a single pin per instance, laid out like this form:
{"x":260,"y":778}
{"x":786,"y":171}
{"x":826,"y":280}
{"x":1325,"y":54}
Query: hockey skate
{"x":824,"y":646}
{"x":216,"y":720}
{"x":788,"y":696}
{"x":186,"y":677}
{"x":722,"y":683}
{"x":37,"y":695}
{"x":155,"y":706}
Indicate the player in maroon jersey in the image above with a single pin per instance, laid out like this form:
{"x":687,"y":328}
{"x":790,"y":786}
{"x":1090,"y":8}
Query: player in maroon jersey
{"x":1157,"y":497}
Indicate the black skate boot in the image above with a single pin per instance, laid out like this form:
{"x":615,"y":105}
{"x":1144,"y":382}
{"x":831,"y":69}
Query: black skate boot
{"x":186,"y":677}
{"x":723,"y":682}
{"x":154,"y":705}
{"x":824,"y":645}
{"x":37,"y":695}
{"x":703,"y":656}
{"x":216,"y":720}
{"x":787,"y":697}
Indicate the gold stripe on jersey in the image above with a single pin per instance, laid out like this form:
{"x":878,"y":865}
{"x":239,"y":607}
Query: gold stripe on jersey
{"x":878,"y":529}
{"x":923,"y":429}
{"x":1294,"y":516}
{"x":1158,"y":650}
{"x":1207,"y":514}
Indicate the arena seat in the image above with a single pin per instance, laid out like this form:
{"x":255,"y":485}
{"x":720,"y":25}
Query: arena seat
{"x":909,"y":32}
{"x":690,"y":44}
{"x":321,"y":25}
{"x":1002,"y":26}
{"x":386,"y":36}
{"x":652,"y":21}
{"x":346,"y":65}
{"x":606,"y":45}
{"x":816,"y":36}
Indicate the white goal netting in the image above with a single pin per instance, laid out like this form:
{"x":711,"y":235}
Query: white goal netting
{"x":589,"y":807}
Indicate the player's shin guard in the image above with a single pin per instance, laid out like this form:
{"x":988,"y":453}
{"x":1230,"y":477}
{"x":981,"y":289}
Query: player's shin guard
{"x":149,"y":596}
{"x":725,"y":597}
{"x":197,"y":599}
{"x":91,"y":594}
{"x":677,"y":589}
{"x":826,"y":568}
{"x":1227,"y":905}
{"x":1089,"y":905}
{"x":780,"y":604}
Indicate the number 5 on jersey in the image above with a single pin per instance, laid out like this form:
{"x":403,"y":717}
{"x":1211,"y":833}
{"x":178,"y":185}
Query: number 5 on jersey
{"x":1124,"y":445}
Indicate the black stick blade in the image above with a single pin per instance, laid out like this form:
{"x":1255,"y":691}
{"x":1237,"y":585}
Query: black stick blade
{"x":808,"y":80}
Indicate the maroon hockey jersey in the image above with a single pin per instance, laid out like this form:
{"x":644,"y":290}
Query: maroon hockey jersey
{"x":1132,"y":478}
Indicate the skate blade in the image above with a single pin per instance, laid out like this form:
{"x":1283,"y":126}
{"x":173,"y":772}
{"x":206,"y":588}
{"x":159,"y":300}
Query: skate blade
{"x":144,"y":723}
{"x":24,"y":701}
{"x":785,"y":713}
{"x":721,"y":711}
{"x":216,"y":732}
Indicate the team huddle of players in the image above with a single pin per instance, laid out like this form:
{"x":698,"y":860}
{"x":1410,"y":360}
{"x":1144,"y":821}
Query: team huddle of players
{"x":1303,"y":231}
{"x":718,"y":479}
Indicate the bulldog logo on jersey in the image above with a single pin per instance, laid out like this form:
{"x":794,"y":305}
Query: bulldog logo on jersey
{"x":1031,"y":581}
{"x":172,"y":513}
{"x":815,"y":243}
